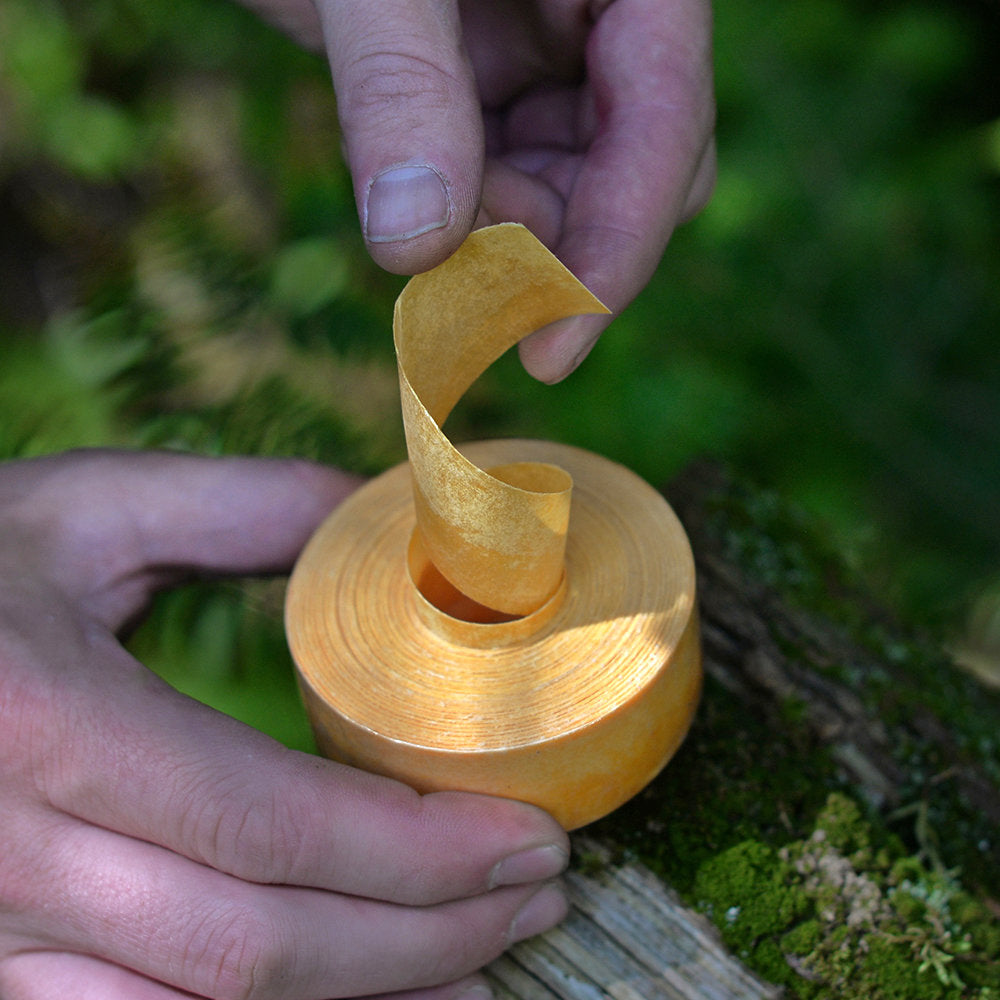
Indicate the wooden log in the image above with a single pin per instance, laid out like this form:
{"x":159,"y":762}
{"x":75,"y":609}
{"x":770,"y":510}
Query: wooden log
{"x":627,"y":937}
{"x":844,"y":676}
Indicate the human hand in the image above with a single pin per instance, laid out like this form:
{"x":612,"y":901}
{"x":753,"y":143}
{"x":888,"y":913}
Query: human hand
{"x":596,"y":118}
{"x":154,"y":849}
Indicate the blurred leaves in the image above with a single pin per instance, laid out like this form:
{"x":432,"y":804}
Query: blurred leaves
{"x":47,"y":108}
{"x":308,"y":274}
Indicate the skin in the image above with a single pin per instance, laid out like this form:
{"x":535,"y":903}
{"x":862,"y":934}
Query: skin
{"x":590,"y":122}
{"x":155,"y":849}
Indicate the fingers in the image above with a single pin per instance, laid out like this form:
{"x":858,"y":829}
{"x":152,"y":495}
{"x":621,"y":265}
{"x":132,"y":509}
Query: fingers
{"x":467,"y":988}
{"x":703,"y":184}
{"x":650,"y":75}
{"x":513,"y":194}
{"x":56,"y":975}
{"x":648,"y":165}
{"x":145,"y":909}
{"x":148,"y":762}
{"x":144,"y":760}
{"x":52,"y":975}
{"x":412,"y":125}
{"x":178,"y":845}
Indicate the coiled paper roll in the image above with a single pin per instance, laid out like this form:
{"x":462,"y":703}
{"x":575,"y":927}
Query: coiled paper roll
{"x":512,"y":617}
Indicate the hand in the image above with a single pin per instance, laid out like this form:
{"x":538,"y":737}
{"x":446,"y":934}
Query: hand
{"x":154,"y":849}
{"x":596,"y":118}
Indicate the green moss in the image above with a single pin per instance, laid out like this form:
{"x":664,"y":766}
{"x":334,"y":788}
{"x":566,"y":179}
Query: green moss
{"x":803,"y":938}
{"x":770,"y":961}
{"x":748,"y":893}
{"x":899,"y":675}
{"x":778,"y":545}
{"x":888,"y":972}
{"x":895,"y":929}
{"x":754,"y":823}
{"x":841,"y":821}
{"x":984,"y":932}
{"x":911,"y":910}
{"x":709,"y":799}
{"x":837,"y":911}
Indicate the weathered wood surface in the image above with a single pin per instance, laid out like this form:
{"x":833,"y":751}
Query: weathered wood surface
{"x":746,"y":626}
{"x":628,"y":937}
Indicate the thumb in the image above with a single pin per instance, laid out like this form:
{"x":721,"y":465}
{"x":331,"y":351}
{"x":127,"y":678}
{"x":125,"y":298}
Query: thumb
{"x":412,"y":125}
{"x":109,"y":527}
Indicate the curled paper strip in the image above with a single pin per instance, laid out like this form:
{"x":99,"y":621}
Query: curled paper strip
{"x":499,"y":535}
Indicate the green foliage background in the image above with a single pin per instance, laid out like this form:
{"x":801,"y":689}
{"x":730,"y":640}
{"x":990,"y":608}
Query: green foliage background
{"x":180,"y":266}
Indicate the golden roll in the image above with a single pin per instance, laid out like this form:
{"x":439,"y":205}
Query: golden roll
{"x":512,"y":617}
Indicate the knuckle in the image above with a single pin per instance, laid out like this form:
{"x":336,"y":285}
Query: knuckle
{"x":380,"y":83}
{"x":247,"y":835}
{"x":241,"y":953}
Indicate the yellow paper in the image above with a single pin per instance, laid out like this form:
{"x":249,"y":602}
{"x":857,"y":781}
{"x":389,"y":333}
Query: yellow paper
{"x":498,"y":535}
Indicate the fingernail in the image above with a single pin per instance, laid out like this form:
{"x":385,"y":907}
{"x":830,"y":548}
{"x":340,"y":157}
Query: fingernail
{"x":531,"y":865}
{"x":404,"y":202}
{"x":543,"y":910}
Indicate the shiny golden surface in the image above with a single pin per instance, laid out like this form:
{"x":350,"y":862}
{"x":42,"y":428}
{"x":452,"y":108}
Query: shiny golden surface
{"x":574,"y":708}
